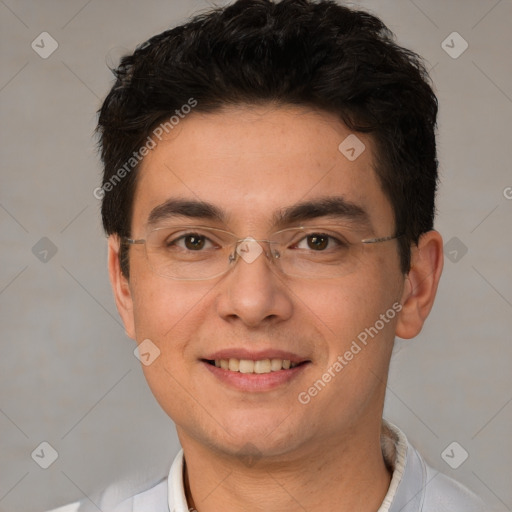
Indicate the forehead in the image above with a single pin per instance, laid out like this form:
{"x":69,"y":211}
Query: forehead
{"x":254,"y":162}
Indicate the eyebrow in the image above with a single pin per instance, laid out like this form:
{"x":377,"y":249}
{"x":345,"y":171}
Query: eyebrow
{"x":334,"y":207}
{"x":192,"y":209}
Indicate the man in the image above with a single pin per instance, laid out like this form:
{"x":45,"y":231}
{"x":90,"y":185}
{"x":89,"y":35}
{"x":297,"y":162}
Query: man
{"x":269,"y":185}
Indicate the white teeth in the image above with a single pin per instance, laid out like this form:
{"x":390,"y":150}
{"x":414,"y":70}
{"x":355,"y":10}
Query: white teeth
{"x":262,"y":366}
{"x":234,"y":365}
{"x":276,"y":364}
{"x":246,"y":366}
{"x":259,"y":366}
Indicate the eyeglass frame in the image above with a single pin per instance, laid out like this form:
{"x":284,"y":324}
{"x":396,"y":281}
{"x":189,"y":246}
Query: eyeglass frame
{"x":142,"y":241}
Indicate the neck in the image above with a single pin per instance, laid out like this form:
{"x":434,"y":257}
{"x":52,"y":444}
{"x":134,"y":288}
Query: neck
{"x":346,"y":474}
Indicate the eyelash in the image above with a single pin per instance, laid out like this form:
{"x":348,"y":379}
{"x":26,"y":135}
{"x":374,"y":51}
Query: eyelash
{"x":338,"y":242}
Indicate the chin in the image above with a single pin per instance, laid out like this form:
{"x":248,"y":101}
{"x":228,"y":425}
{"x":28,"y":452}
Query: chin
{"x":253,"y":435}
{"x":256,"y":448}
{"x":270,"y":438}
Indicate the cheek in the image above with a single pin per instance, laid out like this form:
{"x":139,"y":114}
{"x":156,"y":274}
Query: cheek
{"x":341,"y":307}
{"x":168,"y":313}
{"x":351,"y":306}
{"x":164,"y":310}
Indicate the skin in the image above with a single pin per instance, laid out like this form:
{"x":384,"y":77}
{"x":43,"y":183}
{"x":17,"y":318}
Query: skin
{"x":324,"y":455}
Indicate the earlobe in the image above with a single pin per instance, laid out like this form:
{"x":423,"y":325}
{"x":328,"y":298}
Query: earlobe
{"x":420,"y":284}
{"x":120,"y":286}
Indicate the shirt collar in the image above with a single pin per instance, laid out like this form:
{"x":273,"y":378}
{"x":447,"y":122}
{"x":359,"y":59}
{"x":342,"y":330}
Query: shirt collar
{"x":394,"y":449}
{"x":175,"y":486}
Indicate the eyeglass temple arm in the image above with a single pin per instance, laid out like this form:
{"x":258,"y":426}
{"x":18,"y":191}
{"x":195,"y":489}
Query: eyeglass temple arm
{"x":131,"y":241}
{"x":381,"y":239}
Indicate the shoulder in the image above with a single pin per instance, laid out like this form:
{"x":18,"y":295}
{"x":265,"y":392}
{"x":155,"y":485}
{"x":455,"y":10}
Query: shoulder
{"x":417,"y":487}
{"x":71,"y":507}
{"x":117,"y":498}
{"x":439,"y":492}
{"x":141,"y":493}
{"x":443,"y":494}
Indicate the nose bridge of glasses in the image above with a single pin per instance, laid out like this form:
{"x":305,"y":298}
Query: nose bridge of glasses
{"x":250,"y":249}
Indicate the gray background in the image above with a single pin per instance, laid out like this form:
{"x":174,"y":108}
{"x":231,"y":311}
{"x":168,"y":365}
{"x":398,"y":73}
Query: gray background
{"x":68,"y":374}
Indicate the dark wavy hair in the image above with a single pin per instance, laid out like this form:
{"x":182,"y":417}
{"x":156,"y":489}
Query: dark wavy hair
{"x":292,"y":52}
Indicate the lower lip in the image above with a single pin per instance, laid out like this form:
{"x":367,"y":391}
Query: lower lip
{"x":255,"y":382}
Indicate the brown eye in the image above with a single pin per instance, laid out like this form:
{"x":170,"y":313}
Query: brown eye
{"x":194,"y":242}
{"x":186,"y":242}
{"x":318,"y":242}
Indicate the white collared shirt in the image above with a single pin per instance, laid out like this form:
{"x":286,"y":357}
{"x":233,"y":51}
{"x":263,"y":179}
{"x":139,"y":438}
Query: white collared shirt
{"x":414,"y":487}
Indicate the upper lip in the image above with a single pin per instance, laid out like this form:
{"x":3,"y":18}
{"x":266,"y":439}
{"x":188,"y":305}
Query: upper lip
{"x":255,"y":355}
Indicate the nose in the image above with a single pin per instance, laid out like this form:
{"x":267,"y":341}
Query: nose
{"x":253,"y":292}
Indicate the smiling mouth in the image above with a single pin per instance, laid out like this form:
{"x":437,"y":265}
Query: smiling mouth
{"x":260,"y":366}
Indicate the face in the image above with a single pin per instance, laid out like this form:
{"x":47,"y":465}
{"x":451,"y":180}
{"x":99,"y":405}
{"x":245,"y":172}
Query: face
{"x":253,"y":164}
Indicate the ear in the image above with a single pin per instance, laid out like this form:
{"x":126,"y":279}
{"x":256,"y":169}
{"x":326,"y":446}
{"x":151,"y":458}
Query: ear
{"x":120,"y":286}
{"x":420,"y":284}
